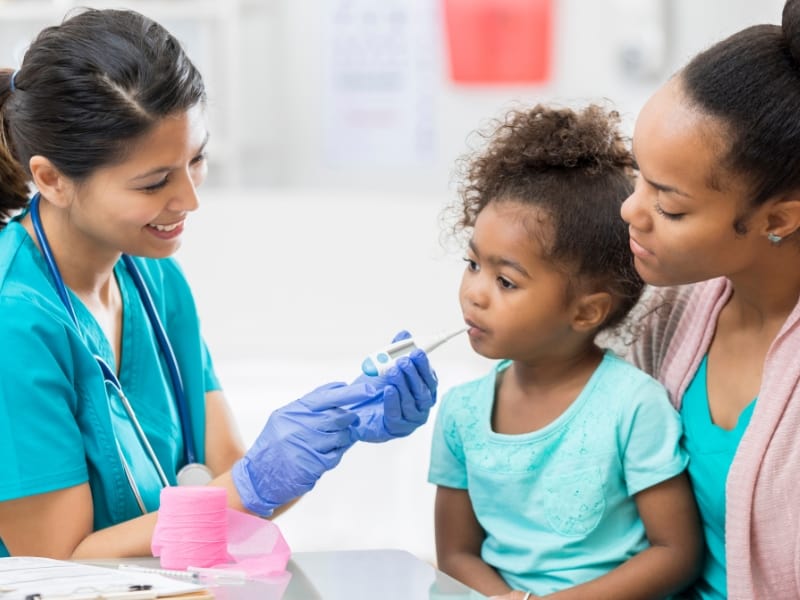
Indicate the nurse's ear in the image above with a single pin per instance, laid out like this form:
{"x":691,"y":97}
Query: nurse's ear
{"x":56,"y":187}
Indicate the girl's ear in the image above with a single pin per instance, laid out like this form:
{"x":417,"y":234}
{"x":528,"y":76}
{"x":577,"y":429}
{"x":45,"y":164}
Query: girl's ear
{"x":52,"y":184}
{"x":591,"y":311}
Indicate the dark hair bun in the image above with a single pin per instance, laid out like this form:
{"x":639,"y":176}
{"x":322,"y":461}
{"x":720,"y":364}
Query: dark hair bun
{"x":544,"y":138}
{"x":791,"y":28}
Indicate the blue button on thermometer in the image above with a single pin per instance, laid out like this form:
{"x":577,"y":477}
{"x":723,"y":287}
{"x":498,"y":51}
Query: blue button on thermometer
{"x":379,"y":362}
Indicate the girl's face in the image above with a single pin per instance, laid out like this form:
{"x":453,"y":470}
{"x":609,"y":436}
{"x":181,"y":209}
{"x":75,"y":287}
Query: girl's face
{"x":682,"y":211}
{"x":514,"y":301}
{"x":139,"y":206}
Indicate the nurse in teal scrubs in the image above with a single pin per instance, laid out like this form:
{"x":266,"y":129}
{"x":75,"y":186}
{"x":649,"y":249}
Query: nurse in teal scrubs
{"x":105,"y":117}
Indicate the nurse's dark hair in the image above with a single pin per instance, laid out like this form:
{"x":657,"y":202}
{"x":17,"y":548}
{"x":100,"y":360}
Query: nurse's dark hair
{"x":575,"y":167}
{"x":750,"y":82}
{"x":87,"y":89}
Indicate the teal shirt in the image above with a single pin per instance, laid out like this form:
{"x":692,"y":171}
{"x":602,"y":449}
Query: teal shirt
{"x":58,"y":426}
{"x":557,"y":504}
{"x":711,"y":449}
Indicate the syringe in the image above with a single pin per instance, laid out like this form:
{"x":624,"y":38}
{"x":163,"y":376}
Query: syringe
{"x":378,"y":362}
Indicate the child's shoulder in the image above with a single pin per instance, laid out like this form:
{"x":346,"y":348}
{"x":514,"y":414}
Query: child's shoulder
{"x":475,"y":392}
{"x":625,"y":380}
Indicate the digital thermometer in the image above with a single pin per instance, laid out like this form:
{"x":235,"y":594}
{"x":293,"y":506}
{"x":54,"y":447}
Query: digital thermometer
{"x":378,"y":362}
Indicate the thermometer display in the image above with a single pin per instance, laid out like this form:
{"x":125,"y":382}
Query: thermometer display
{"x":378,"y":362}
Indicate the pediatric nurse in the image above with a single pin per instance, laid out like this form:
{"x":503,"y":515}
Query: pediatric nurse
{"x":713,"y":223}
{"x":107,"y":390}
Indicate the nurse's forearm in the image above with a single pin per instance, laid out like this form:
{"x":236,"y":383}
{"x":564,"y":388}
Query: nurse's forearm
{"x":131,"y":538}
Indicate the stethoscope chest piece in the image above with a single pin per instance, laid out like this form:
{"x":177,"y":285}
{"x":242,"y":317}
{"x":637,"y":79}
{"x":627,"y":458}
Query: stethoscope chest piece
{"x":194,"y":474}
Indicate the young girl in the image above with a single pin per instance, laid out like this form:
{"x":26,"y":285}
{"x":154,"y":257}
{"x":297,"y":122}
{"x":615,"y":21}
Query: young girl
{"x":559,"y":473}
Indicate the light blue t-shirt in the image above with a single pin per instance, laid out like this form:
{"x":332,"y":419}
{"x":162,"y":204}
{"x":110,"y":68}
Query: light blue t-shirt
{"x":58,"y":427}
{"x":557,"y":504}
{"x":712,"y":449}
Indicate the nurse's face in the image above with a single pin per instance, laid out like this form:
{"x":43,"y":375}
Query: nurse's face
{"x":682,"y":211}
{"x":139,"y":206}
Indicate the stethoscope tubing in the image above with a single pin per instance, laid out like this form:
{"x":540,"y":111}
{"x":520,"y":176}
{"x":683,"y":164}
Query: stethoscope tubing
{"x":111,"y":378}
{"x":172,"y":362}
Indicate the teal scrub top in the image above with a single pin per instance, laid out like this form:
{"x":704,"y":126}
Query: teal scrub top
{"x":61,"y":425}
{"x":711,"y":449}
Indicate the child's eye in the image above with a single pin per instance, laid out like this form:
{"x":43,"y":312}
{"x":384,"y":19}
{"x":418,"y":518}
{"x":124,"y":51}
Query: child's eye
{"x":506,"y":283}
{"x":667,"y":215}
{"x":471,"y":265}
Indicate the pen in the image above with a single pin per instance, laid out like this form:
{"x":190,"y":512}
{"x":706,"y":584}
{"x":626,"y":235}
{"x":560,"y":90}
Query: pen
{"x":194,"y":573}
{"x":218,"y":573}
{"x":155,"y":571}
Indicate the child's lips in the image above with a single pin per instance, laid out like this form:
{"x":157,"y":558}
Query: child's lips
{"x":474,"y":328}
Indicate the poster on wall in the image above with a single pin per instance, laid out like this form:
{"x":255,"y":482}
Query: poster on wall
{"x":379,"y":82}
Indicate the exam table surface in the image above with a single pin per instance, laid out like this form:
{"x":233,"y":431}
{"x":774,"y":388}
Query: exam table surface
{"x":344,"y":575}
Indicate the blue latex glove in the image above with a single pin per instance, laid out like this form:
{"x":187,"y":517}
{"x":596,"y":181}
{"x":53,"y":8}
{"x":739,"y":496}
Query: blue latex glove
{"x":405,"y":395}
{"x":299,"y":443}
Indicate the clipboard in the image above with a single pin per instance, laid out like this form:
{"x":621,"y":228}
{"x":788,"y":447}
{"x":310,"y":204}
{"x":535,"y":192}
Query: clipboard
{"x":36,"y":578}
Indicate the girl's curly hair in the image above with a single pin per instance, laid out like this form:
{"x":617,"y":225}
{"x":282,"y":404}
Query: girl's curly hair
{"x":573,"y":166}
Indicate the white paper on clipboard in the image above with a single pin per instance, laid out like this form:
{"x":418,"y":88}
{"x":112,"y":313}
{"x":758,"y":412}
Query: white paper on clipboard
{"x":24,"y":577}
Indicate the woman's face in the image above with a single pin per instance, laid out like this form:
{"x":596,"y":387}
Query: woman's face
{"x":682,"y":211}
{"x":139,"y":206}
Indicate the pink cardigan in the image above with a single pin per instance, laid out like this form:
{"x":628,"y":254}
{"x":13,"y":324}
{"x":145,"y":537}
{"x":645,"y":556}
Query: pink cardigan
{"x":762,"y":521}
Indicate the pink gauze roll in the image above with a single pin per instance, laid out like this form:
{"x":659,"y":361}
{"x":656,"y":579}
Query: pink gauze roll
{"x":195,"y":528}
{"x":192,"y":527}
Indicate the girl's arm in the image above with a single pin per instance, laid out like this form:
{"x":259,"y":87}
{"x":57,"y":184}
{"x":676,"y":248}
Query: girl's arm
{"x":671,"y":562}
{"x":458,"y":543}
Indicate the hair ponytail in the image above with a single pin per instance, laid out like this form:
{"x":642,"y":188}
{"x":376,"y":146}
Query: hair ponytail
{"x":13,"y":178}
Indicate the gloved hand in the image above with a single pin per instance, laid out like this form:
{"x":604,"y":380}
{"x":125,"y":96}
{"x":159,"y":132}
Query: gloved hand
{"x":299,"y":443}
{"x":405,"y":395}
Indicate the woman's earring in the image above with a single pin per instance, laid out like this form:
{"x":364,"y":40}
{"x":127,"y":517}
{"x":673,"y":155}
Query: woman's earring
{"x":774,"y":238}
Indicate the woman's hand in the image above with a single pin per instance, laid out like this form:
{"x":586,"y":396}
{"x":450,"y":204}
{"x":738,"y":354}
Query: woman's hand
{"x":405,"y":395}
{"x":299,"y":443}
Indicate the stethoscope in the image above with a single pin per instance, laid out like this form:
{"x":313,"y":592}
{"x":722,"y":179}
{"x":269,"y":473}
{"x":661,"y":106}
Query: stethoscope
{"x":193,"y":473}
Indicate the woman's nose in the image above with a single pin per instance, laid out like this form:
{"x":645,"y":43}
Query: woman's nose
{"x":632,"y":210}
{"x":626,"y":210}
{"x":186,"y":198}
